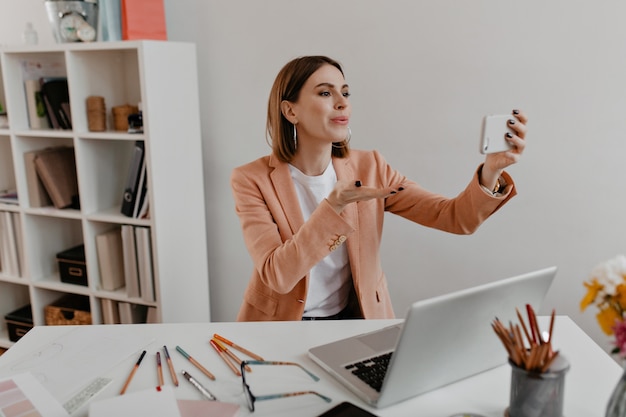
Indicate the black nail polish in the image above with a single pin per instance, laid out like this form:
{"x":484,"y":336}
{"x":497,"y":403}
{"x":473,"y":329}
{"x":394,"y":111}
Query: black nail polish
{"x":515,"y":111}
{"x":393,"y":192}
{"x":357,"y":183}
{"x":401,"y":188}
{"x":511,"y":121}
{"x":509,"y":135}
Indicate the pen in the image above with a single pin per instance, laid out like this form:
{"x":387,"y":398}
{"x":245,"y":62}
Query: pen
{"x":196,"y":363}
{"x":132,"y":373}
{"x":224,"y":357}
{"x":198,"y":385}
{"x":171,"y":365}
{"x":239,"y":348}
{"x":159,"y":368}
{"x":231,"y":354}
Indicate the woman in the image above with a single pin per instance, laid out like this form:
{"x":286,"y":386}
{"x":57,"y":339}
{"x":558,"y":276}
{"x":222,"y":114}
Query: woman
{"x":312,"y":211}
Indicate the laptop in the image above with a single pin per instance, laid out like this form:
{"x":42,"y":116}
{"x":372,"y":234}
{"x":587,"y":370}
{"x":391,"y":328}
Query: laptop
{"x":442,"y":340}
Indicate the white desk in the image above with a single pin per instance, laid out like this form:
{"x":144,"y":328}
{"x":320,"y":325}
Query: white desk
{"x":588,"y":384}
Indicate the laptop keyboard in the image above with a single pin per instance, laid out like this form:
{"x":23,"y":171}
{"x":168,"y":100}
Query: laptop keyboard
{"x":372,"y":370}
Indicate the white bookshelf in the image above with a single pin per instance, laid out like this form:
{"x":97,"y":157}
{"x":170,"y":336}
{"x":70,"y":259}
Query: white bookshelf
{"x":163,"y":77}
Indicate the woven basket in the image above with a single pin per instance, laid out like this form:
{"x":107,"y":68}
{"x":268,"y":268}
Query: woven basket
{"x":68,"y":310}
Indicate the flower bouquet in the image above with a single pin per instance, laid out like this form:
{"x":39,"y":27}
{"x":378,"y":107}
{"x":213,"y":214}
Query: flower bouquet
{"x":607,"y":290}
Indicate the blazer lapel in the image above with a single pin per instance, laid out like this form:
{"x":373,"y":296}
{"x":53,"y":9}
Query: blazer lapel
{"x":286,"y":193}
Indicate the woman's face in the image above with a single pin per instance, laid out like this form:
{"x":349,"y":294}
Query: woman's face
{"x":323,"y":110}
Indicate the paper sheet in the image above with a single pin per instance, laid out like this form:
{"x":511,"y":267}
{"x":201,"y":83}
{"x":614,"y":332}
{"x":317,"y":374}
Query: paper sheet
{"x":152,"y":402}
{"x":75,"y":359}
{"x":23,"y":395}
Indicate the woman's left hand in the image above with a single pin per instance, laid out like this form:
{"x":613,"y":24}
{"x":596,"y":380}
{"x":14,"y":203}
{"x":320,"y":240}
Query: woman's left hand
{"x":495,"y":163}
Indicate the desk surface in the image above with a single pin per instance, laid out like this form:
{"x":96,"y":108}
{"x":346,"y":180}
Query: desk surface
{"x":588,"y":384}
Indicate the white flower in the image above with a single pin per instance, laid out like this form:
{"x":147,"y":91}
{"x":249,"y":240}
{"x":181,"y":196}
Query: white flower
{"x":610,"y":273}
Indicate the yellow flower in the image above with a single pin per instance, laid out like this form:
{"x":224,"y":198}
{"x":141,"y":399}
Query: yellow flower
{"x":593,"y":288}
{"x":620,"y":295}
{"x":606,"y":318}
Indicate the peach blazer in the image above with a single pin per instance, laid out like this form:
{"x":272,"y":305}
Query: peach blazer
{"x":284,"y":248}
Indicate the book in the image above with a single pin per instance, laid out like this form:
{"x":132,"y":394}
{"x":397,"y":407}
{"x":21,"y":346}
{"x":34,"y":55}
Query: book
{"x":37,"y":194}
{"x":57,"y":170}
{"x":4,"y":246}
{"x":8,"y":196}
{"x":10,"y":260}
{"x":144,"y":263}
{"x":143,"y":19}
{"x":132,"y":313}
{"x":110,"y":311}
{"x":37,"y":117}
{"x":19,"y":242}
{"x":110,"y":20}
{"x":110,"y":259}
{"x":152,"y":315}
{"x":55,"y":94}
{"x":129,"y":195}
{"x":131,"y":274}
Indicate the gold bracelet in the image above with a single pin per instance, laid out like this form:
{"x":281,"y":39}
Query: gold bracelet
{"x":496,"y":189}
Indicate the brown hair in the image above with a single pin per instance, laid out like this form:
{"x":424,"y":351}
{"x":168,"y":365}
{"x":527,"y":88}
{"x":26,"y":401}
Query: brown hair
{"x":287,"y":86}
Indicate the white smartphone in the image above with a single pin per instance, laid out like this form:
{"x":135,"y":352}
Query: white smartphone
{"x":492,"y":138}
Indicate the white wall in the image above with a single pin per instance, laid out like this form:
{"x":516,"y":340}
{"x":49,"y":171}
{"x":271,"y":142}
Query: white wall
{"x":422,"y":74}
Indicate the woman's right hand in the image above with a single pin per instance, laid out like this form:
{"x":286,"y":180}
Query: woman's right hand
{"x":346,"y":192}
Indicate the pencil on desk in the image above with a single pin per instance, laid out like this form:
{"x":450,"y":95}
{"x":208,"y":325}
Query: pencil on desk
{"x":231,"y":354}
{"x":159,"y":368}
{"x":170,"y":365}
{"x":239,"y":348}
{"x":224,"y":357}
{"x":132,"y":373}
{"x":196,"y":363}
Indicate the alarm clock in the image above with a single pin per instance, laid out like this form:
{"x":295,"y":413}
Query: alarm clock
{"x":73,"y":21}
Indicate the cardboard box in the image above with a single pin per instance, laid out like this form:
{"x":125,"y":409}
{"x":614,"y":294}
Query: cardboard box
{"x":72,"y":266}
{"x":19,"y":322}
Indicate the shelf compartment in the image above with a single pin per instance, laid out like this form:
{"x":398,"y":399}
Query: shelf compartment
{"x":28,"y":65}
{"x":102,"y":168}
{"x":112,"y":74}
{"x":46,"y":236}
{"x":12,"y":297}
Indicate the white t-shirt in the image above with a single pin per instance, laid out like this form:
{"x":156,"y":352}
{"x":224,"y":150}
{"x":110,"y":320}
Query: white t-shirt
{"x":329,"y":282}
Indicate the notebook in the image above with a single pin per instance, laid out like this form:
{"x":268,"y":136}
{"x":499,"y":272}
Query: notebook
{"x":442,"y":340}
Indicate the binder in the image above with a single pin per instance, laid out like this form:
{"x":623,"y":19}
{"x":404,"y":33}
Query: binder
{"x":129,"y":196}
{"x":110,"y":259}
{"x":144,"y":263}
{"x":131,"y":271}
{"x":56,"y":97}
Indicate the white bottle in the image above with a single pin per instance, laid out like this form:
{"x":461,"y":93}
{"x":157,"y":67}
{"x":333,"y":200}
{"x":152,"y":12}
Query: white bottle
{"x":30,"y":35}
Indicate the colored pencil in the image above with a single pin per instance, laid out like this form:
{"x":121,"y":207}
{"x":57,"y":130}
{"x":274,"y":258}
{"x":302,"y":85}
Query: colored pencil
{"x":132,"y":373}
{"x":196,"y":363}
{"x":159,"y":368}
{"x":170,"y":365}
{"x":239,"y":348}
{"x":224,"y":357}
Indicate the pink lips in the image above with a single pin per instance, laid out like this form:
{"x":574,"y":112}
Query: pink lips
{"x":341,"y":120}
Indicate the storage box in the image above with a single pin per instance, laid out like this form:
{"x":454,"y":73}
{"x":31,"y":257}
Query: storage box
{"x":70,"y":309}
{"x":19,"y":322}
{"x":72,"y":266}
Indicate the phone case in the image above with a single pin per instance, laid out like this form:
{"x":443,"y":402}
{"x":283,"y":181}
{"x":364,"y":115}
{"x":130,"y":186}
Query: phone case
{"x":494,"y":129}
{"x":347,"y":409}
